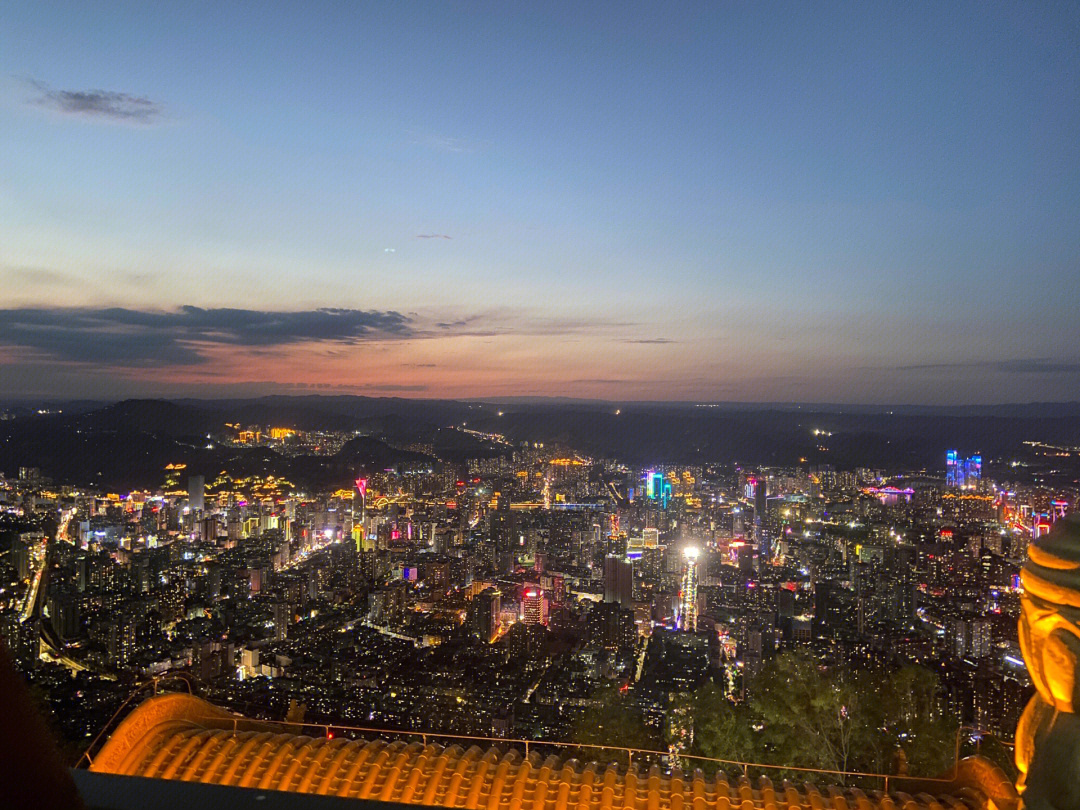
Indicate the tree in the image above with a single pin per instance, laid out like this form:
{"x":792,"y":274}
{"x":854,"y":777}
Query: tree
{"x":722,"y":729}
{"x":913,"y":720}
{"x":800,"y":713}
{"x":811,"y":715}
{"x":851,"y":720}
{"x":613,"y":721}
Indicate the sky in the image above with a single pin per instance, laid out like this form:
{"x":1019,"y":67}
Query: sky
{"x":812,"y":202}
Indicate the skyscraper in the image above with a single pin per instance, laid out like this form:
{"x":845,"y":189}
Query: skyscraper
{"x":962,"y":472}
{"x":761,"y":505}
{"x":196,"y":493}
{"x":485,"y":613}
{"x":657,"y":489}
{"x":619,"y":580}
{"x":534,"y":606}
{"x":688,"y":592}
{"x":359,"y":516}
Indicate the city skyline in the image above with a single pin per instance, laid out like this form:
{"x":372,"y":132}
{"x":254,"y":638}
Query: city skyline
{"x":834,"y":204}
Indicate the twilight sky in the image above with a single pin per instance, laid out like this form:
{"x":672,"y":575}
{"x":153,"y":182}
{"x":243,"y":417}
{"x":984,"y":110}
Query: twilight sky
{"x":844,"y":202}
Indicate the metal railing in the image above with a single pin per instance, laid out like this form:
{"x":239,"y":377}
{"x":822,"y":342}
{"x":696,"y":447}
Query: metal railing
{"x":328,"y":731}
{"x":332,"y":730}
{"x":138,"y":690}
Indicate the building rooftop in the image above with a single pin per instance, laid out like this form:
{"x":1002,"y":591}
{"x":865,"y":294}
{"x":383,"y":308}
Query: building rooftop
{"x":181,"y":737}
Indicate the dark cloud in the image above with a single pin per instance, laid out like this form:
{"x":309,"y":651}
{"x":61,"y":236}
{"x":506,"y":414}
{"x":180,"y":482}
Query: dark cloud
{"x":130,"y":337}
{"x":389,"y":387}
{"x":1037,"y":367}
{"x":651,"y":341}
{"x":433,"y":236}
{"x":105,"y":104}
{"x":1040,"y":365}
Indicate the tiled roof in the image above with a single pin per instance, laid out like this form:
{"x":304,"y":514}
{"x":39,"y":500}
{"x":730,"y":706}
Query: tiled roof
{"x":181,"y":737}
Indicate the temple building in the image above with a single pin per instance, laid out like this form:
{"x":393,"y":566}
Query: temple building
{"x":180,"y":737}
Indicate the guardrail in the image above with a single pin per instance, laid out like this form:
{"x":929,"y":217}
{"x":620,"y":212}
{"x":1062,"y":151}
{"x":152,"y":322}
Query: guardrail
{"x":155,"y":683}
{"x":331,"y":730}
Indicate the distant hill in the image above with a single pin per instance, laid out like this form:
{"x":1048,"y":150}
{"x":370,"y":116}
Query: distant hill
{"x":126,"y":444}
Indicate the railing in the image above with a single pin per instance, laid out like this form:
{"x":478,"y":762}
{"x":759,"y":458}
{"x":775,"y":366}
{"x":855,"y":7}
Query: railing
{"x":154,"y":683}
{"x":330,"y":730}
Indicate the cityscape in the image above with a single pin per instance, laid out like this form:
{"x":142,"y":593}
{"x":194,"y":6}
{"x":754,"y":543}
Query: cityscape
{"x":468,"y":582}
{"x":540,"y":406}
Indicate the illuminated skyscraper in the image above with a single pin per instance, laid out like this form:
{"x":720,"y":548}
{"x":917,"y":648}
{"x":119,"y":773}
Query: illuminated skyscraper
{"x":534,"y":606}
{"x":657,"y":489}
{"x":951,"y":464}
{"x":962,"y":473}
{"x":358,"y":521}
{"x":688,"y":593}
{"x":972,"y":472}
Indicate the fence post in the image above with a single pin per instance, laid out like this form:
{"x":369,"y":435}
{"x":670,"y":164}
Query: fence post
{"x":526,"y":749}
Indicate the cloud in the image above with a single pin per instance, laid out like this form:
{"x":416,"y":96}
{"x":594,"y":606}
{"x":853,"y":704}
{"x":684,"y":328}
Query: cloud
{"x":101,"y":104}
{"x":455,"y":324}
{"x":1039,"y":365}
{"x":652,"y":341}
{"x":388,"y":387}
{"x":130,"y":337}
{"x":36,"y":275}
{"x":433,"y":236}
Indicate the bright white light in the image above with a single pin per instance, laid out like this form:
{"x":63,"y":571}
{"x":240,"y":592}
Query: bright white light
{"x":691,"y":552}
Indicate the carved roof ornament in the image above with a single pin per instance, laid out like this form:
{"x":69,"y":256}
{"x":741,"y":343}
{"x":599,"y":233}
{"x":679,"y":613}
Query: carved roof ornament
{"x":1048,"y":734}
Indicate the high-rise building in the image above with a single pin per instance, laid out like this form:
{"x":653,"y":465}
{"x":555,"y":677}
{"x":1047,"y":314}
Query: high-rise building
{"x":282,"y":620}
{"x":980,"y":638}
{"x":534,"y":606}
{"x":973,"y":471}
{"x":196,"y":493}
{"x":486,"y":607}
{"x":761,"y":506}
{"x":657,"y":489}
{"x":359,"y":513}
{"x":962,"y":472}
{"x":121,"y":640}
{"x":761,"y":494}
{"x":611,"y":627}
{"x":619,"y":580}
{"x":688,"y":592}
